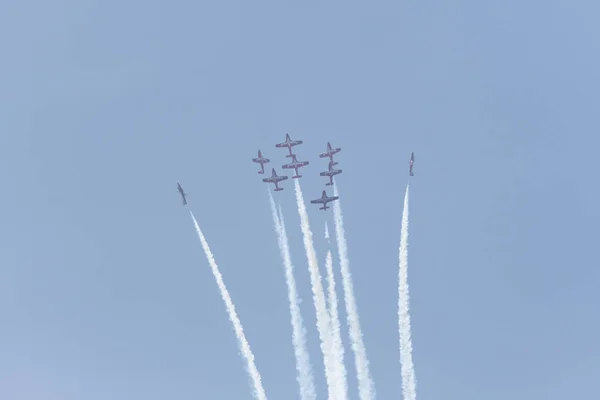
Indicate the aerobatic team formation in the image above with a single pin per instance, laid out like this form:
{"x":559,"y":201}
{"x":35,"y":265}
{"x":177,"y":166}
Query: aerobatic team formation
{"x":295,"y":165}
{"x":325,"y":302}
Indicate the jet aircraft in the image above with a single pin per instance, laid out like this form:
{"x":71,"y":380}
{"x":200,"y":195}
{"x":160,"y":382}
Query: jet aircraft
{"x":274,"y":178}
{"x":331,"y":172}
{"x":330,"y":152}
{"x":180,"y":189}
{"x":262,"y":161}
{"x":324,"y":200}
{"x":289,"y":143}
{"x":412,"y":161}
{"x":295,"y":164}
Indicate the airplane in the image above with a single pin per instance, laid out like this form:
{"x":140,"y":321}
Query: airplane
{"x":180,"y":189}
{"x":274,"y":178}
{"x":289,"y":143}
{"x":262,"y":161}
{"x":295,"y":164}
{"x":412,"y":161}
{"x":330,"y":152}
{"x":324,"y":200}
{"x":330,"y":173}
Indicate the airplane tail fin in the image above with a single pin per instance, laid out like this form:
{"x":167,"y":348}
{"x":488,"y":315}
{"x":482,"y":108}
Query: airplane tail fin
{"x":278,"y":189}
{"x":290,"y":155}
{"x":296,"y":176}
{"x":323,"y":208}
{"x":287,"y":136}
{"x":259,"y":154}
{"x":328,"y":146}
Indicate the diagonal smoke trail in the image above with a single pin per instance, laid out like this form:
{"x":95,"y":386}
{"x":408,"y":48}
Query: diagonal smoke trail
{"x":305,"y":376}
{"x":338,"y":367}
{"x":317,"y":289}
{"x":258,"y":392}
{"x":409,"y":384}
{"x":366,"y":389}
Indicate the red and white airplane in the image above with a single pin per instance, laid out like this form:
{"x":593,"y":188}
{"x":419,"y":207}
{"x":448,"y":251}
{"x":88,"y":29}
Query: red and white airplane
{"x":330,"y":152}
{"x":324,"y":200}
{"x":295,"y":164}
{"x":262,"y":161}
{"x":289,"y":143}
{"x":331,"y":172}
{"x":274,"y":178}
{"x":412,"y":161}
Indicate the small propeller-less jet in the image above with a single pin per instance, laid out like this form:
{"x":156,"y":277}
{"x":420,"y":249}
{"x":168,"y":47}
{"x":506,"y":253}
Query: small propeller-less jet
{"x":274,"y":178}
{"x":412,"y":161}
{"x":180,"y":189}
{"x":295,"y":164}
{"x":330,"y":152}
{"x":289,"y":143}
{"x":262,"y":161}
{"x":331,"y":172}
{"x":324,"y":200}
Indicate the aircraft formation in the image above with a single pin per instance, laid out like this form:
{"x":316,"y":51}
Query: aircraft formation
{"x":295,"y":165}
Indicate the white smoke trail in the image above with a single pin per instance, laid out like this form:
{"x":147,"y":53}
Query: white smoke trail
{"x":366,"y":389}
{"x":259,"y":391}
{"x":409,"y":384}
{"x":305,"y":376}
{"x":317,"y":289}
{"x":338,"y":367}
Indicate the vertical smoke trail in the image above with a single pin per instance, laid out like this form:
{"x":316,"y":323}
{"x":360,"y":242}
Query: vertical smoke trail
{"x":409,"y":384}
{"x":338,"y":367}
{"x":366,"y":389}
{"x":317,"y":289}
{"x":305,"y":376}
{"x":259,"y":392}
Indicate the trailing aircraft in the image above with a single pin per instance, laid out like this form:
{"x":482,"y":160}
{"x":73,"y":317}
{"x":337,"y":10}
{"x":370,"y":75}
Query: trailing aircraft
{"x":324,"y":200}
{"x":295,"y":164}
{"x":274,"y":178}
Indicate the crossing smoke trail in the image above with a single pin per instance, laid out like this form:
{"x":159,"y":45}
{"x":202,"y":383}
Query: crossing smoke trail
{"x":317,"y":289}
{"x":338,"y":367}
{"x":409,"y":385}
{"x":259,"y":392}
{"x":305,"y":376}
{"x":366,"y":389}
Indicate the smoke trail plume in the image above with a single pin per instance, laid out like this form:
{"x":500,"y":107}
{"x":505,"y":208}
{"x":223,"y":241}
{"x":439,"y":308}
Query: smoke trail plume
{"x":366,"y":389}
{"x":338,"y":367}
{"x":305,"y":376}
{"x":259,"y":391}
{"x":317,"y":289}
{"x":409,"y":384}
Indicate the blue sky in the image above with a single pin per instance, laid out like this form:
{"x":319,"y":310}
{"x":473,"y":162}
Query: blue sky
{"x":104,"y":105}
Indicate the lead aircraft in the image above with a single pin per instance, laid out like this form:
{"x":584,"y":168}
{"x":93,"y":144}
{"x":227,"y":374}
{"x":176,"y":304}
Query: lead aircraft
{"x":289,"y":143}
{"x":262,"y":161}
{"x":330,"y":152}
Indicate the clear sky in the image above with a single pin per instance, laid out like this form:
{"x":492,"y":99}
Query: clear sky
{"x":104,"y":289}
